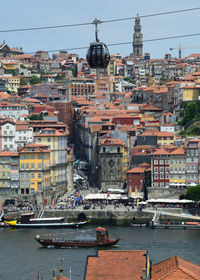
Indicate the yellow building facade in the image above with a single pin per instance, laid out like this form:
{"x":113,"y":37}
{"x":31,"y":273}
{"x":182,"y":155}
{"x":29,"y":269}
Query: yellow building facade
{"x":35,"y":173}
{"x":165,"y":138}
{"x":12,"y":83}
{"x":177,"y":167}
{"x":190,"y":93}
{"x":57,"y":143}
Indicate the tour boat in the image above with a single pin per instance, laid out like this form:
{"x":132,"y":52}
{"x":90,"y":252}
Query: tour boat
{"x":28,"y":221}
{"x":103,"y":239}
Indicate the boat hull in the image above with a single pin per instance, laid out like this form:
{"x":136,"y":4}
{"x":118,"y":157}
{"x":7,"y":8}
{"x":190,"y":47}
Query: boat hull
{"x":48,"y":225}
{"x":59,"y":243}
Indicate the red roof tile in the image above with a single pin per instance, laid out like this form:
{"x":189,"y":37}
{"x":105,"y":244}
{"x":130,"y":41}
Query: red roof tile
{"x":121,"y":265}
{"x":175,"y":268}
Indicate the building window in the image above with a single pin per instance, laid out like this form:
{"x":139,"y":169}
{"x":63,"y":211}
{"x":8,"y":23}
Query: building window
{"x":118,"y":149}
{"x":49,"y":139}
{"x":32,"y":166}
{"x":27,"y":191}
{"x":161,"y":162}
{"x":39,"y":140}
{"x":27,"y":165}
{"x":40,"y":156}
{"x":32,"y":156}
{"x":39,"y":166}
{"x":22,"y":165}
{"x":155,"y":161}
{"x":104,"y":149}
{"x":161,"y":176}
{"x":26,"y":156}
{"x":32,"y":175}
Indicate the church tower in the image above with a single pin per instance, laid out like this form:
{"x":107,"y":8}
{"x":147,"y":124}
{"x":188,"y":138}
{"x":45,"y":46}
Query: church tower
{"x":137,"y":38}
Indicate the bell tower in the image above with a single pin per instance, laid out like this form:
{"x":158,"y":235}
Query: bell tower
{"x":137,"y":38}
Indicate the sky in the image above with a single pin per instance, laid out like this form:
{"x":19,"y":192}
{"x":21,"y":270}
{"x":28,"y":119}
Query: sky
{"x":36,"y":13}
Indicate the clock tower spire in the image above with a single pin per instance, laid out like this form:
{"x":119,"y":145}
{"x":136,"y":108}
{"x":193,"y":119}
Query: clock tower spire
{"x":137,"y":38}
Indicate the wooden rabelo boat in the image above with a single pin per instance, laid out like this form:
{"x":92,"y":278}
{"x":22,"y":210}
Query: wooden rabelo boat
{"x":28,"y":221}
{"x":103,"y":239}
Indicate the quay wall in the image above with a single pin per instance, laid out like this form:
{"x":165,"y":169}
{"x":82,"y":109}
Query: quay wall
{"x":115,"y":217}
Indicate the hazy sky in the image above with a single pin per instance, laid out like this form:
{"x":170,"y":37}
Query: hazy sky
{"x":35,"y":13}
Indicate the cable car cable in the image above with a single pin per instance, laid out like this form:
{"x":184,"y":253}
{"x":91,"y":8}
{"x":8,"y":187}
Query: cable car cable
{"x":103,"y":21}
{"x":152,"y":15}
{"x":125,"y":43}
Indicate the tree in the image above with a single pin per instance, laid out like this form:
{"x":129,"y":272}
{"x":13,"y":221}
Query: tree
{"x":193,"y":193}
{"x":36,"y":117}
{"x":23,"y":82}
{"x":34,"y":80}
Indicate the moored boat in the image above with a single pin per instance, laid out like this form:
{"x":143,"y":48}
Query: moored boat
{"x":28,"y":221}
{"x":103,"y":239}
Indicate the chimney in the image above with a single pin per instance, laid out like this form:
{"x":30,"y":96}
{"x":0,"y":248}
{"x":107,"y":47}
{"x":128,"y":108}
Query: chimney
{"x":61,"y":269}
{"x":54,"y":275}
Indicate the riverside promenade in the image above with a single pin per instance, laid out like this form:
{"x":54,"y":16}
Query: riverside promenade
{"x":123,"y":215}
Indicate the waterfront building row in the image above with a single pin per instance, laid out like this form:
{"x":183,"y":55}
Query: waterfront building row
{"x":42,"y":169}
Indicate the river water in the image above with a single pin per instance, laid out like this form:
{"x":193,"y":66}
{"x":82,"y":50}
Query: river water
{"x":22,"y":257}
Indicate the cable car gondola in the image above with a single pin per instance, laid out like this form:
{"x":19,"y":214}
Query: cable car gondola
{"x":98,"y":54}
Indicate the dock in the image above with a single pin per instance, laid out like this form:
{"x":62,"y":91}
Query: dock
{"x":156,"y":223}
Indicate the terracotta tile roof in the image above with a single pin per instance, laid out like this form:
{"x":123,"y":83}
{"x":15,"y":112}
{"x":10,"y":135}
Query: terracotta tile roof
{"x":144,"y":165}
{"x":136,"y":170}
{"x":157,"y":133}
{"x":121,"y":265}
{"x":175,"y":268}
{"x":30,"y":100}
{"x":62,"y":277}
{"x":111,"y":142}
{"x":95,"y":127}
{"x":160,"y":152}
{"x":8,"y":154}
{"x":179,"y":151}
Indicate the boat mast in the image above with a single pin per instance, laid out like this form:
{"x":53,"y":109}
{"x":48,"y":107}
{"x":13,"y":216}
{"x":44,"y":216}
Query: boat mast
{"x":70,"y":273}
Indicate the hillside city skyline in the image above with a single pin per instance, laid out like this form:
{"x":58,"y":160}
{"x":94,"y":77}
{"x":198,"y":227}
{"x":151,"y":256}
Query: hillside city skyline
{"x":81,"y":36}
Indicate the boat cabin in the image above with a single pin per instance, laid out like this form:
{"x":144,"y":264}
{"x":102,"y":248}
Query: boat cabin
{"x":28,"y":218}
{"x":102,"y":235}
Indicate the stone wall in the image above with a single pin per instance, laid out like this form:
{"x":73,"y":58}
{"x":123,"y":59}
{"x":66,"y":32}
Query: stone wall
{"x":165,"y":193}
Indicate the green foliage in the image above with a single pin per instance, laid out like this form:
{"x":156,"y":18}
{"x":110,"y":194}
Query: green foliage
{"x":182,"y":132}
{"x":190,"y":114}
{"x":36,"y":117}
{"x":74,"y":73}
{"x":193,"y":193}
{"x":12,"y":72}
{"x":34,"y":80}
{"x":59,"y":77}
{"x":127,"y":79}
{"x":23,"y":82}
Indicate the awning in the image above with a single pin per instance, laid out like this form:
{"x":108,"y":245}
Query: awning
{"x":168,"y":200}
{"x":102,"y":196}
